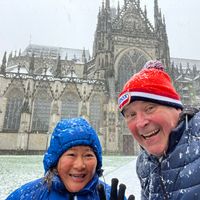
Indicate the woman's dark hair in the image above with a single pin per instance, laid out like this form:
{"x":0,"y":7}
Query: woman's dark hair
{"x":48,"y":178}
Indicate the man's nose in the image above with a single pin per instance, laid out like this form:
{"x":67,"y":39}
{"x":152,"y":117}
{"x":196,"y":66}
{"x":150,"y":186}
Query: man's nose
{"x":141,"y":120}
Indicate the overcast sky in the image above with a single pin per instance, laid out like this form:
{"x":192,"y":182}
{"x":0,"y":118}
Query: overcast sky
{"x":72,"y":24}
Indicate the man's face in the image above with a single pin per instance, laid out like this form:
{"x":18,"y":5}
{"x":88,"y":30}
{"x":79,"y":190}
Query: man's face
{"x":151,"y":124}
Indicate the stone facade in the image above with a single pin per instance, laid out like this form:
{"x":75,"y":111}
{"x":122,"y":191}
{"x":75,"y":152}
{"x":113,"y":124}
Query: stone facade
{"x":186,"y":76}
{"x":43,"y":84}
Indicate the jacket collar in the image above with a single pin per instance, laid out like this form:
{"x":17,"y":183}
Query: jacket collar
{"x":175,"y":136}
{"x":59,"y":186}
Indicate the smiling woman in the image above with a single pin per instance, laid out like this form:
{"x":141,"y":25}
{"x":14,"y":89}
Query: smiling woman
{"x":73,"y":166}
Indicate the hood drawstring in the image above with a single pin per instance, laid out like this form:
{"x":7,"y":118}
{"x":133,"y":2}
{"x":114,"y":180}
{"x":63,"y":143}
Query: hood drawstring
{"x":187,"y":114}
{"x":186,"y":122}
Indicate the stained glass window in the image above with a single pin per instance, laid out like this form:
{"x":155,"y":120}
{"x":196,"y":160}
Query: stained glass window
{"x":130,"y":63}
{"x":13,"y":111}
{"x":96,"y":112}
{"x":69,"y":106}
{"x":41,"y":112}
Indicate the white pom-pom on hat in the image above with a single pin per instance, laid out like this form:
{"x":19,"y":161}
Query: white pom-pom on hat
{"x":154,"y":64}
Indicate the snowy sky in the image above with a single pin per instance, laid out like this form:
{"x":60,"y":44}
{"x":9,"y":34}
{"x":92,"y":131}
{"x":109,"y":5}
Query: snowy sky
{"x":72,"y":23}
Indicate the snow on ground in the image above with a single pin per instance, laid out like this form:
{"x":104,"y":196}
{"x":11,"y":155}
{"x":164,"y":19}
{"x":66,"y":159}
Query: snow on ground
{"x":17,"y":170}
{"x":127,"y":175}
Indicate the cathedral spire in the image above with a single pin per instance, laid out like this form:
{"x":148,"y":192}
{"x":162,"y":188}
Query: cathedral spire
{"x":85,"y":65}
{"x":3,"y":66}
{"x":10,"y":56}
{"x":156,"y":6}
{"x":58,"y":67}
{"x":156,"y":12}
{"x":108,"y":4}
{"x":118,"y":9}
{"x":145,"y":11}
{"x":103,"y":6}
{"x":19,"y":54}
{"x":31,"y":64}
{"x":84,"y":59}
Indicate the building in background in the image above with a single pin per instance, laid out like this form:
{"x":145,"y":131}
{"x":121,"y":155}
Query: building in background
{"x":43,"y":84}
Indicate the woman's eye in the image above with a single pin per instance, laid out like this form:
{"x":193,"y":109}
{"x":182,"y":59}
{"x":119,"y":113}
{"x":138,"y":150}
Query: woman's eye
{"x":70,"y":154}
{"x":89,"y":155}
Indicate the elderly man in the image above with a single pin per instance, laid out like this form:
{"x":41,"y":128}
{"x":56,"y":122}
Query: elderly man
{"x":169,"y":163}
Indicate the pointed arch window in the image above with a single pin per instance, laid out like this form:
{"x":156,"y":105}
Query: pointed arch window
{"x":69,"y":106}
{"x":96,"y":112}
{"x":41,"y":112}
{"x":13,"y":111}
{"x":130,"y":63}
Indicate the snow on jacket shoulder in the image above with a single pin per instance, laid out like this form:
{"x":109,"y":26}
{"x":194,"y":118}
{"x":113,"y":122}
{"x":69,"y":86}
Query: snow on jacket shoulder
{"x":176,"y":176}
{"x":30,"y":190}
{"x":38,"y":190}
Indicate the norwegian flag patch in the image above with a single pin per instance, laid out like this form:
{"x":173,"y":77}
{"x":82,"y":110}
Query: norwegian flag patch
{"x":123,"y":100}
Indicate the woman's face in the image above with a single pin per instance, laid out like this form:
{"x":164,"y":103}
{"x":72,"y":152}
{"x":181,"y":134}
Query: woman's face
{"x":76,"y":167}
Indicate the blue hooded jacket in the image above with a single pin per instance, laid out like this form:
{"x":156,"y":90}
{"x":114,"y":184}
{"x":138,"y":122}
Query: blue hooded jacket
{"x":67,"y":133}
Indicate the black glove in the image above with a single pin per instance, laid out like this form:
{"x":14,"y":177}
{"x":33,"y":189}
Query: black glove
{"x":114,"y":195}
{"x":71,"y":196}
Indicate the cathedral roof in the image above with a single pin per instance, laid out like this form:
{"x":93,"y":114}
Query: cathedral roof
{"x":53,"y":52}
{"x":185,"y":62}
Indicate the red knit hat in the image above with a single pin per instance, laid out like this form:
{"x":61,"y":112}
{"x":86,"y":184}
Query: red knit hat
{"x":150,"y":84}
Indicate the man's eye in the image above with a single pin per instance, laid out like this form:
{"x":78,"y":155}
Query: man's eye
{"x":132,"y":114}
{"x":129,"y":116}
{"x":150,"y":109}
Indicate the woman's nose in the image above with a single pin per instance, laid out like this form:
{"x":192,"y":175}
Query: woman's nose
{"x":79,"y":163}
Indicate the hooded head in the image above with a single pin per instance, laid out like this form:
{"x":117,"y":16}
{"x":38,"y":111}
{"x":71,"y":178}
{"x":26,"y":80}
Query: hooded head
{"x":69,"y":133}
{"x":151,"y":84}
